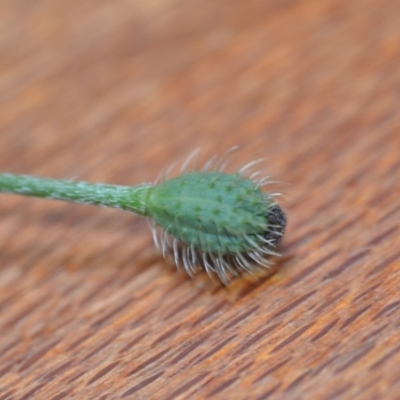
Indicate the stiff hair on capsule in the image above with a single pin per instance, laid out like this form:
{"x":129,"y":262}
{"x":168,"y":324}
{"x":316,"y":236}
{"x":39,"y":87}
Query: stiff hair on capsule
{"x":216,"y":221}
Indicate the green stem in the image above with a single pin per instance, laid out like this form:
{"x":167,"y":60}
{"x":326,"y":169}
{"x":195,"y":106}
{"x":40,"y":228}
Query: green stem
{"x":124,"y":197}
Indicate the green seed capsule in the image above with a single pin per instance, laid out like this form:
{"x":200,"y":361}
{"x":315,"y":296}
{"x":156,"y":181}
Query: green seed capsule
{"x":219,"y":222}
{"x":213,"y":211}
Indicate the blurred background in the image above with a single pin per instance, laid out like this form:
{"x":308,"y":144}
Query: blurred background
{"x":149,"y":81}
{"x":116,"y":91}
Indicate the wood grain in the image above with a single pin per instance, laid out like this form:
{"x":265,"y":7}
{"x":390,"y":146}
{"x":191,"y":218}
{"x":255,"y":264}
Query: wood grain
{"x":117,"y":91}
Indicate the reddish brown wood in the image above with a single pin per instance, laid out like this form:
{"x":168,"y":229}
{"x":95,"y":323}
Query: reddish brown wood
{"x":115,"y":92}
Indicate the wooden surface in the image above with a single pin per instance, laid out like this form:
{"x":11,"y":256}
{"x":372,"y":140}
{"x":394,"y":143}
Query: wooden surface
{"x":117,"y":91}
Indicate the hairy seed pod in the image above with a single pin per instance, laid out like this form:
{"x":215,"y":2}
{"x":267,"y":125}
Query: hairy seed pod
{"x":220,"y":222}
{"x":215,"y":212}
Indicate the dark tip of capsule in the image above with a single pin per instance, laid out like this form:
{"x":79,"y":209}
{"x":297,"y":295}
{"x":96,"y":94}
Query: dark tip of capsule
{"x":276,"y":225}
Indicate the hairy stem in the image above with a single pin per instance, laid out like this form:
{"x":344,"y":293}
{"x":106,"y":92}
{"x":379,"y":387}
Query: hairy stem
{"x":124,"y":197}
